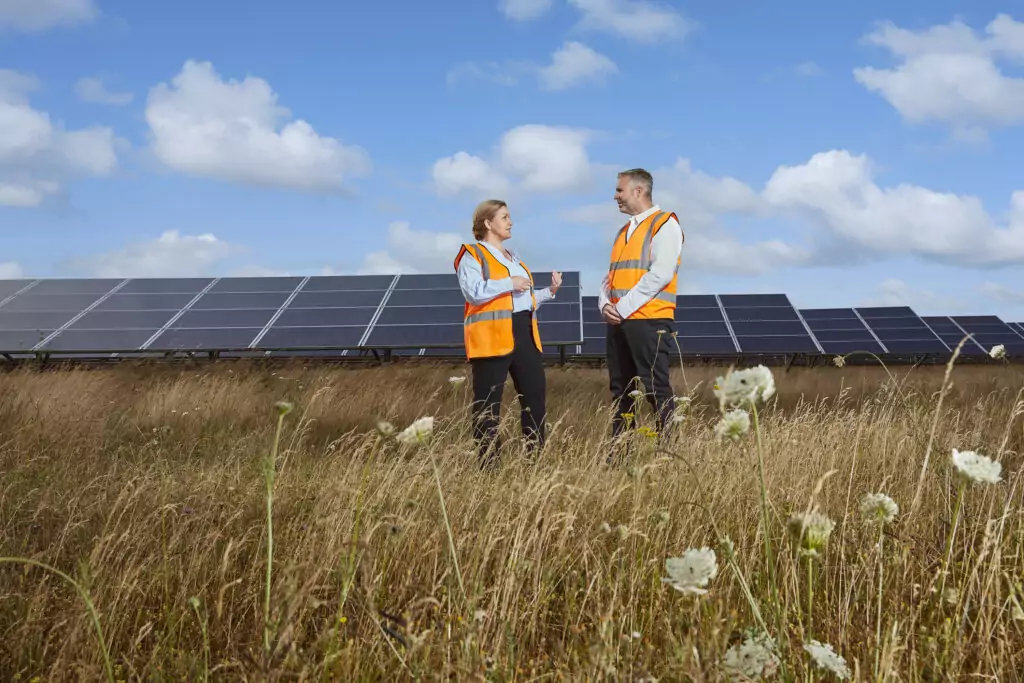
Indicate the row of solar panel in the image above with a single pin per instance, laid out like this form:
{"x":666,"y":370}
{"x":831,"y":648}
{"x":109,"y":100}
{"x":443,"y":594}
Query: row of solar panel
{"x":329,"y":312}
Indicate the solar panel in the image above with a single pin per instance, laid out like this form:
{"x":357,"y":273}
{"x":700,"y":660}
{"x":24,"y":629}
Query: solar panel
{"x":989,"y":331}
{"x":121,"y":320}
{"x":767,"y":324}
{"x":901,"y":330}
{"x":840,"y":331}
{"x":348,"y":283}
{"x":951,"y":334}
{"x":203,"y":339}
{"x":97,"y":287}
{"x":1019,"y":327}
{"x":178,"y":285}
{"x":11,"y":287}
{"x":229,"y":285}
{"x":95,"y":341}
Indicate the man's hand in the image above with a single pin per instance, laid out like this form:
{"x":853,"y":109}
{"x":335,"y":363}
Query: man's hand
{"x":556,"y":281}
{"x":520,"y":284}
{"x":611,"y":315}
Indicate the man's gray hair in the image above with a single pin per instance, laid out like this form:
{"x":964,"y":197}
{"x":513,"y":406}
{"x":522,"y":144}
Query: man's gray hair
{"x":640,"y":177}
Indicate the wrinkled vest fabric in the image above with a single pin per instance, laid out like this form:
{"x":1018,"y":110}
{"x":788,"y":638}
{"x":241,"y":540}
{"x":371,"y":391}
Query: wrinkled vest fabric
{"x":487,"y":328}
{"x":632,"y":258}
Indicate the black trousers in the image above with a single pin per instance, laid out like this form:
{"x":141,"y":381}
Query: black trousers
{"x":526,"y":365}
{"x":636,"y":351}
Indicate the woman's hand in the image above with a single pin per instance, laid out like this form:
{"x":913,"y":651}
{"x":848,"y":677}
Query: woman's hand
{"x":520,"y":284}
{"x":556,"y":281}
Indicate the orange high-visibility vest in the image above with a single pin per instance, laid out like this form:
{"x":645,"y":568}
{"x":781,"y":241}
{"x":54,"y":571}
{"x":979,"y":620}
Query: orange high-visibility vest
{"x":632,"y":258}
{"x":487,"y":328}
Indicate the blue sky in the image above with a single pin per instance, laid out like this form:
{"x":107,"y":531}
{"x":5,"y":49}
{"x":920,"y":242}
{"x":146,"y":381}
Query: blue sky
{"x":857,"y":155}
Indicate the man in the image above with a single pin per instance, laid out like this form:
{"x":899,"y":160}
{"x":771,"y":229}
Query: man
{"x":638,"y":300}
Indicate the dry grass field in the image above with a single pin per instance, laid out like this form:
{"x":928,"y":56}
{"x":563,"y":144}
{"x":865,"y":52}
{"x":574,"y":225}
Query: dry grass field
{"x":149,"y":490}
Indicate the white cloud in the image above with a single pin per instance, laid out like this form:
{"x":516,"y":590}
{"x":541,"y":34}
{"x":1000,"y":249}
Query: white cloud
{"x":38,"y":156}
{"x":947,"y":73}
{"x":39,"y":15}
{"x":1002,"y":293}
{"x":508,"y":73}
{"x":575,"y":64}
{"x":838,"y":190}
{"x":11,"y":271}
{"x":170,"y":255}
{"x":414,"y":251}
{"x":638,"y":20}
{"x":896,"y":292}
{"x":93,"y":90}
{"x":524,"y":10}
{"x":809,"y":69}
{"x":232,"y":130}
{"x":531,"y":158}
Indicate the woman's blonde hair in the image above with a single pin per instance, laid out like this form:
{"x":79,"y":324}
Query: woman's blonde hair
{"x":485,"y":211}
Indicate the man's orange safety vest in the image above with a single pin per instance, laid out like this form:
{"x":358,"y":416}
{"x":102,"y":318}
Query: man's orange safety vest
{"x":632,"y":258}
{"x":487,"y":328}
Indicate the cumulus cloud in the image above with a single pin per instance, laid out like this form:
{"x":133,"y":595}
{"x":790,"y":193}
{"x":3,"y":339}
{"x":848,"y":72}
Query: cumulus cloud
{"x":93,"y":91}
{"x":524,"y":10}
{"x":10,"y":270}
{"x":1002,"y":294}
{"x":641,"y":21}
{"x":572,"y":65}
{"x":808,"y":69}
{"x":531,"y":158}
{"x":172,"y":254}
{"x":950,"y":74}
{"x":37,"y":155}
{"x":39,"y":15}
{"x":236,"y":131}
{"x":924,"y":301}
{"x":414,"y":251}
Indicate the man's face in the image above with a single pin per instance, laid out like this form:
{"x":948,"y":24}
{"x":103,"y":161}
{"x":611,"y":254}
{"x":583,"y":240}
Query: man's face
{"x":627,"y":196}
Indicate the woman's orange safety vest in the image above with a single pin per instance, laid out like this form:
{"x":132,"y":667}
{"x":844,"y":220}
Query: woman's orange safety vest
{"x":632,"y":258}
{"x":487,"y":328}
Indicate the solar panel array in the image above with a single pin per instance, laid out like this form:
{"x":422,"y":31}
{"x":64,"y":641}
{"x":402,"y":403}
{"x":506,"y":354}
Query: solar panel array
{"x":423,"y":315}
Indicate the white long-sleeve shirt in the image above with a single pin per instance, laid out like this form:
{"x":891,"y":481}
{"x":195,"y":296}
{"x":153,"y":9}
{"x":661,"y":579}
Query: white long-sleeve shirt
{"x":665,"y":249}
{"x":477,"y":290}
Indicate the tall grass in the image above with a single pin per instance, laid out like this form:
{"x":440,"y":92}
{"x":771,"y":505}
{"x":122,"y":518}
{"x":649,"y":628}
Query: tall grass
{"x":148,"y":489}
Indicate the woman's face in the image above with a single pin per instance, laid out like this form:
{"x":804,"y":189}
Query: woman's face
{"x":501,"y":225}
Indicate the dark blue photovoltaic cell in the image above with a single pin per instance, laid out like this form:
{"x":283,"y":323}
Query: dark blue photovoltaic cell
{"x":915,"y":346}
{"x":122,"y":320}
{"x":777,"y":344}
{"x":810,"y":314}
{"x":73,"y":303}
{"x":695,"y":301}
{"x":144,"y":302}
{"x":704,"y":345}
{"x":256,"y":284}
{"x":559,"y":333}
{"x":432,"y":281}
{"x":591,"y":314}
{"x":334,"y":283}
{"x":595,"y":330}
{"x":895,"y":323}
{"x":98,"y":340}
{"x":319,"y":317}
{"x":872,"y":312}
{"x":421,"y":315}
{"x":10,"y":287}
{"x":312,"y":337}
{"x":834,"y":324}
{"x":969,"y":321}
{"x":594,"y":346}
{"x":76,"y":286}
{"x":843,"y":347}
{"x":240,"y":300}
{"x":753,"y":300}
{"x":256,"y":317}
{"x":768,"y":328}
{"x":698,"y":314}
{"x":21,"y":340}
{"x":13,"y":320}
{"x":904,"y":333}
{"x":951,"y":334}
{"x":424,"y":297}
{"x":558,"y":312}
{"x":1019,"y":327}
{"x":861,"y":335}
{"x":415,"y":335}
{"x":353,"y":299}
{"x":181,"y":285}
{"x":762,"y":313}
{"x":206,"y":339}
{"x":701,"y":328}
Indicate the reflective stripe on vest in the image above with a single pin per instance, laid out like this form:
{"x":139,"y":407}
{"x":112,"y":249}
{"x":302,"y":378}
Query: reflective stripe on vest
{"x":487,"y":328}
{"x":631,"y":259}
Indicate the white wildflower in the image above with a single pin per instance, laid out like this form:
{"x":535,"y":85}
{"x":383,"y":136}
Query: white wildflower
{"x":733,"y":425}
{"x":977,"y":467}
{"x":742,"y":387}
{"x":811,"y":531}
{"x":839,"y":361}
{"x":385,"y":428}
{"x":998,"y":352}
{"x":418,"y":432}
{"x":878,"y":507}
{"x":826,"y":658}
{"x":457,"y":379}
{"x":751,"y":659}
{"x":691,"y":572}
{"x":636,"y":394}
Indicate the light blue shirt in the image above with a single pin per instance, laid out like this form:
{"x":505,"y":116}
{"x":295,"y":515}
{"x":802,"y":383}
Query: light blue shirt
{"x":477,"y":290}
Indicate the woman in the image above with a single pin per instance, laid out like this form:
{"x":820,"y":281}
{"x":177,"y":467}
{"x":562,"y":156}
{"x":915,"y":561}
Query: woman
{"x":500,"y":329}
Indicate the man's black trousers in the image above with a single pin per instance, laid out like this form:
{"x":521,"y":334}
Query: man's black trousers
{"x":526,"y":365}
{"x":640,"y":349}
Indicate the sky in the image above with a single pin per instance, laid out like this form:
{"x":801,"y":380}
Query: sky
{"x":845,"y":154}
